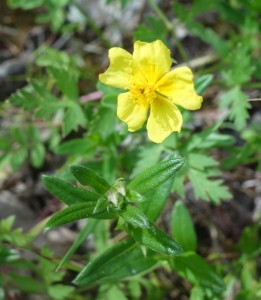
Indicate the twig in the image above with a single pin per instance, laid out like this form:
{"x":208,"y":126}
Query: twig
{"x":94,"y":96}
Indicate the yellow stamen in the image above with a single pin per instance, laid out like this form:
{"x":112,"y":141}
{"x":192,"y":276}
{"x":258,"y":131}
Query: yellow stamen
{"x":142,"y":92}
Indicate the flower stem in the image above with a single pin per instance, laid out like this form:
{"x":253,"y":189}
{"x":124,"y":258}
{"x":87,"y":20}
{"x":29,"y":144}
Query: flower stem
{"x":170,"y":28}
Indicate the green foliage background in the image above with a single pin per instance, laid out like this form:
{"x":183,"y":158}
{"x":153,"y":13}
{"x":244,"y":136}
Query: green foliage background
{"x":51,"y":117}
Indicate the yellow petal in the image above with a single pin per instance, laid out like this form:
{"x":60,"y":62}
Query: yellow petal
{"x":163,"y":120}
{"x":120,"y":70}
{"x":131,"y":113}
{"x":152,"y":59}
{"x":178,"y":86}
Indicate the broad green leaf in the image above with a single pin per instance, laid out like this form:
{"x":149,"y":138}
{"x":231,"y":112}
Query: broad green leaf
{"x":155,"y":200}
{"x":202,"y":83}
{"x":156,"y":175}
{"x":197,"y":271}
{"x":82,"y":236}
{"x":182,"y":227}
{"x":67,"y":193}
{"x":87,"y":177}
{"x":76,"y":212}
{"x":119,"y":261}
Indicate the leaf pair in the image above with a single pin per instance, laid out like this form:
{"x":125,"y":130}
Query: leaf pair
{"x":96,"y":202}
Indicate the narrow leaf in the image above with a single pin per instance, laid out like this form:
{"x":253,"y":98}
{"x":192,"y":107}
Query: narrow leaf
{"x":156,"y":175}
{"x":67,"y":193}
{"x":197,"y":271}
{"x":85,"y":232}
{"x":89,"y":178}
{"x":119,"y":261}
{"x":156,"y":200}
{"x":156,"y":240}
{"x":202,"y":83}
{"x":135,"y":216}
{"x":74,"y":213}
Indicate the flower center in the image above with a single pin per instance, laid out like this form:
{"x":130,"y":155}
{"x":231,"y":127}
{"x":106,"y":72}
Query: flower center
{"x":142,"y":93}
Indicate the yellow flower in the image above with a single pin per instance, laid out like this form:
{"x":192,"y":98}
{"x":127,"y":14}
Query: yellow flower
{"x":151,"y":87}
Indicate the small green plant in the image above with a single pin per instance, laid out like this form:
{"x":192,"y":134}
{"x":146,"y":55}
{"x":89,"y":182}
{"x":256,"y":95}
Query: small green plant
{"x":128,"y":162}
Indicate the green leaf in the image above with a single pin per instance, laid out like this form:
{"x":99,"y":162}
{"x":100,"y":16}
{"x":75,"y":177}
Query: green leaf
{"x":78,"y":146}
{"x":76,"y":212}
{"x":38,"y":155}
{"x":119,"y":261}
{"x":201,"y":161}
{"x":198,"y":139}
{"x":197,"y":271}
{"x":26,"y":5}
{"x":147,"y":234}
{"x":115,"y":293}
{"x":156,"y":175}
{"x":202,"y":83}
{"x":104,"y":122}
{"x":73,"y":117}
{"x":82,"y":236}
{"x":155,"y":200}
{"x":6,"y":224}
{"x":196,"y":293}
{"x":155,"y":239}
{"x":182,"y":227}
{"x":67,"y":193}
{"x":87,"y":177}
{"x":216,"y":139}
{"x":249,"y":242}
{"x":18,"y":157}
{"x":27,"y":283}
{"x":59,"y":291}
{"x":237,"y":101}
{"x":7,"y":256}
{"x":134,"y":216}
{"x":206,"y":188}
{"x":66,"y":81}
